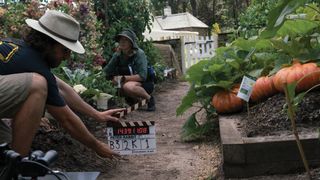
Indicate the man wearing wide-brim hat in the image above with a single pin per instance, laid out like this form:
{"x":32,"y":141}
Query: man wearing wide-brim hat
{"x":27,"y":85}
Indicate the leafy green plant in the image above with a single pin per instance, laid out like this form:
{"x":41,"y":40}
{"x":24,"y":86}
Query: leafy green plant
{"x":76,"y":76}
{"x":94,"y":82}
{"x":243,"y":57}
{"x":192,"y":130}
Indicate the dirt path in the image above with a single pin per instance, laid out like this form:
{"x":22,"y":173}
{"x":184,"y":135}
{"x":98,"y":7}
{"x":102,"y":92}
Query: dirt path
{"x":174,"y":159}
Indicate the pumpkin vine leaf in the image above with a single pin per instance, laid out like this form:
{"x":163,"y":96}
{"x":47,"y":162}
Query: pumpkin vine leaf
{"x":278,"y":15}
{"x":190,"y":128}
{"x":187,"y":101}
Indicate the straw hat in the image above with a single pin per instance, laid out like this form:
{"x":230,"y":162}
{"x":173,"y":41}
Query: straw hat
{"x":60,"y":27}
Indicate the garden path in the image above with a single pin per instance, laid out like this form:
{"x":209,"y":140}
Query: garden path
{"x":174,"y":159}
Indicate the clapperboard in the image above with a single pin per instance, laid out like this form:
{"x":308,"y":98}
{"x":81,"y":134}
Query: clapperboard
{"x":132,"y":137}
{"x":131,"y":108}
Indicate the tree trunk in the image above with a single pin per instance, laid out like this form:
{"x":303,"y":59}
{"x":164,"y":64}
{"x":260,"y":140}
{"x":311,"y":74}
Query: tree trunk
{"x":247,"y":3}
{"x":214,"y":3}
{"x":235,"y":15}
{"x":194,"y":7}
{"x":106,"y":17}
{"x":184,"y":6}
{"x":173,"y":5}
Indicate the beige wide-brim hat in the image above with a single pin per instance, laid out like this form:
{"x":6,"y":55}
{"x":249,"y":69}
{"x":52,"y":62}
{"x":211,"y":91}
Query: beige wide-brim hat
{"x":60,"y":27}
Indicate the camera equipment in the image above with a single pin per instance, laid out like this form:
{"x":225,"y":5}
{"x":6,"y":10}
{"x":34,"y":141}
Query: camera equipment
{"x":13,"y":166}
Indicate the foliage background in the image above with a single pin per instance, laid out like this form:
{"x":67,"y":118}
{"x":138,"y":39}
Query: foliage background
{"x":99,"y":21}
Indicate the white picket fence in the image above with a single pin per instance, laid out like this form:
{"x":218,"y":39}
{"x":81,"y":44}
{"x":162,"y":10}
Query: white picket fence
{"x":196,"y":48}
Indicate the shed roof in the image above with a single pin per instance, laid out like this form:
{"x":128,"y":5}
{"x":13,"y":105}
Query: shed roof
{"x":160,"y":35}
{"x":180,"y":20}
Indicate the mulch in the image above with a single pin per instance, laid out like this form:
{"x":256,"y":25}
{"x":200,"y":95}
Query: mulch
{"x":270,"y":117}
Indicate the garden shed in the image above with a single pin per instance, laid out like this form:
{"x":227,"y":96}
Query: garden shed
{"x":178,"y":32}
{"x":182,"y":22}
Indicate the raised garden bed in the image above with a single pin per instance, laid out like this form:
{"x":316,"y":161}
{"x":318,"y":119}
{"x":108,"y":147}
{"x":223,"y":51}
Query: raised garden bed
{"x":268,"y":151}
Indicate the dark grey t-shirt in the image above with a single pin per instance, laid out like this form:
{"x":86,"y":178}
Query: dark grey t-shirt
{"x":20,"y":58}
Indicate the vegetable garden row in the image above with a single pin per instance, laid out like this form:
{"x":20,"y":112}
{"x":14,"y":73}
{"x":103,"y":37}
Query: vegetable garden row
{"x":286,"y":51}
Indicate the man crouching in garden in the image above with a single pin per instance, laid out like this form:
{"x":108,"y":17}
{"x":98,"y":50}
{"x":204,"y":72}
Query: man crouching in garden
{"x":27,"y":85}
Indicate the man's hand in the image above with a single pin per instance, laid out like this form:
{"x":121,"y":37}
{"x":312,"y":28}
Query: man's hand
{"x":108,"y":115}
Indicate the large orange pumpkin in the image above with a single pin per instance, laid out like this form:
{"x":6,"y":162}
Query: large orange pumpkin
{"x":312,"y":76}
{"x":227,"y":101}
{"x":262,"y":89}
{"x":295,"y":73}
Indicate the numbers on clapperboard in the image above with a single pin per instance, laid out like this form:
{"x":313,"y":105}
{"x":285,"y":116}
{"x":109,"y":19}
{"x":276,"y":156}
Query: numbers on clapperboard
{"x":111,"y":144}
{"x":147,"y":143}
{"x":126,"y":144}
{"x":115,"y":144}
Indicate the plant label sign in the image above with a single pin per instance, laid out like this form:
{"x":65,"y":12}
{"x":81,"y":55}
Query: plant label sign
{"x":246,"y":87}
{"x":132,"y":138}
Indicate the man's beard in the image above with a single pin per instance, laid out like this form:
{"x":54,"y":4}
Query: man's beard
{"x":51,"y":60}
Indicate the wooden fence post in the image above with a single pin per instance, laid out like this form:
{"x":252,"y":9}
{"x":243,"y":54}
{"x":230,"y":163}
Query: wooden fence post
{"x":183,"y":55}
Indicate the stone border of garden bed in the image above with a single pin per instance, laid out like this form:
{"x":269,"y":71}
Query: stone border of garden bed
{"x":253,"y":156}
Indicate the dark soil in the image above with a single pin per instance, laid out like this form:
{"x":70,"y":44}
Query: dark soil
{"x":270,"y":117}
{"x":73,"y":156}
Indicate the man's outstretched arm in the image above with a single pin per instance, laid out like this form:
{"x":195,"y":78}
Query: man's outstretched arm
{"x":75,"y":127}
{"x":76,"y":103}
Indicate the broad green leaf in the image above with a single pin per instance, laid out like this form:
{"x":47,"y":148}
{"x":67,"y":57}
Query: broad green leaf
{"x":262,"y":44}
{"x":277,"y":16}
{"x":89,"y":93}
{"x":220,"y":84}
{"x":244,"y":44}
{"x":298,"y":27}
{"x":242,"y":54}
{"x":205,"y":94}
{"x":258,"y":44}
{"x":186,"y":102}
{"x":191,"y":122}
{"x":312,"y":54}
{"x":224,"y":84}
{"x":195,"y":72}
{"x":216,"y":67}
{"x":293,"y":48}
{"x":281,"y":61}
{"x":191,"y":128}
{"x":233,"y":63}
{"x":255,"y":73}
